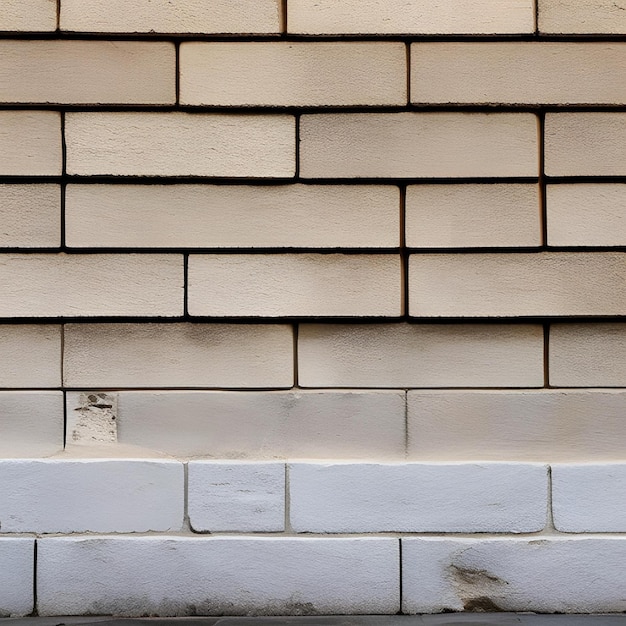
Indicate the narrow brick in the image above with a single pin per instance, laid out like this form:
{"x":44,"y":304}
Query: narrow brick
{"x":290,"y":285}
{"x":418,"y":145}
{"x":574,"y":17}
{"x":28,"y":15}
{"x":17,"y":572}
{"x":180,"y":144}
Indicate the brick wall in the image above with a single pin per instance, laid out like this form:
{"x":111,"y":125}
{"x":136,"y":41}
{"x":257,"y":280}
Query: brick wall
{"x":312,"y":306}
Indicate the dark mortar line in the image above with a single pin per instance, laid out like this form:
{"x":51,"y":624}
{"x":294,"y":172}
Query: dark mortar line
{"x":404,"y":253}
{"x":546,"y":356}
{"x":297,"y":148}
{"x":58,"y":21}
{"x":296,"y":368}
{"x":185,"y":285}
{"x":536,"y":17}
{"x":408,"y":74}
{"x":177,"y":73}
{"x":35,"y":612}
{"x":64,"y":174}
{"x":542,"y":181}
{"x":284,"y":19}
{"x":400,"y":577}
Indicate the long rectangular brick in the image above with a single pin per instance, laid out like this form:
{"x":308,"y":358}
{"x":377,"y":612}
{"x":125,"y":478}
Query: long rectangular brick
{"x":17,"y":573}
{"x":28,"y":15}
{"x":575,"y":17}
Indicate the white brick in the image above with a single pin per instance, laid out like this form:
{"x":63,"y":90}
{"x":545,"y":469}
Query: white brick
{"x":290,"y":285}
{"x":511,"y":285}
{"x":28,"y":15}
{"x":411,"y":497}
{"x":574,"y":16}
{"x":410,"y":17}
{"x":240,"y":497}
{"x":169,"y":576}
{"x":411,"y":145}
{"x":178,"y":355}
{"x":279,"y":74}
{"x":171,"y":16}
{"x":180,"y":144}
{"x":585,"y":144}
{"x":17,"y":569}
{"x":30,"y":356}
{"x":302,"y":424}
{"x":228,"y":216}
{"x":542,"y":575}
{"x":46,"y":285}
{"x":518,"y":72}
{"x":91,"y":418}
{"x":403,"y":355}
{"x":541,"y":425}
{"x":588,"y":355}
{"x":472,"y":216}
{"x":31,"y":424}
{"x":30,"y":143}
{"x":64,"y":496}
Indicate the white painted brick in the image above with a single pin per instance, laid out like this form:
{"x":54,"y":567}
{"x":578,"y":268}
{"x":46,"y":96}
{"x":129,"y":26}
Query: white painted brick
{"x":301,"y":424}
{"x":585,"y":144}
{"x":412,"y":497}
{"x":518,"y":72}
{"x":541,"y":425}
{"x":169,"y":576}
{"x":543,"y":575}
{"x":586,"y":215}
{"x":28,"y":15}
{"x":171,"y":16}
{"x":588,"y":355}
{"x":472,"y":216}
{"x":180,"y":144}
{"x":511,"y":285}
{"x":290,"y":285}
{"x":403,"y":355}
{"x":30,"y":355}
{"x":239,"y":497}
{"x":17,"y":569}
{"x":232,"y":216}
{"x":90,"y":495}
{"x":46,"y":285}
{"x":91,"y":418}
{"x":178,"y":355}
{"x":401,"y":145}
{"x":87,"y":72}
{"x":574,"y":16}
{"x":410,"y":17}
{"x":31,"y":424}
{"x":30,"y":143}
{"x":279,"y":73}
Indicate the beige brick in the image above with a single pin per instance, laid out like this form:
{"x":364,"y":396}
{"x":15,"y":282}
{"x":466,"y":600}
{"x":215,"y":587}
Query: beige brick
{"x":574,"y":16}
{"x":518,"y":72}
{"x":226,"y":216}
{"x":180,"y":144}
{"x":87,"y":72}
{"x":541,"y":425}
{"x":30,"y":215}
{"x":279,"y":74}
{"x":171,"y":16}
{"x":46,"y":285}
{"x":294,"y":285}
{"x":472,"y":216}
{"x":28,"y":15}
{"x":512,"y":285}
{"x":431,"y":355}
{"x":588,"y":355}
{"x":470,"y":17}
{"x":585,"y":144}
{"x":419,"y":145}
{"x":30,"y":143}
{"x":178,"y":355}
{"x":586,"y":215}
{"x":30,"y":356}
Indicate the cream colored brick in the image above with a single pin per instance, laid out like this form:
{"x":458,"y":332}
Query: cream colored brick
{"x":178,"y":355}
{"x":30,"y":355}
{"x":46,"y":285}
{"x":28,"y":15}
{"x":518,"y":72}
{"x":472,"y":216}
{"x":431,"y":355}
{"x":418,"y":145}
{"x":470,"y":17}
{"x":280,"y":74}
{"x":171,"y":16}
{"x":30,"y":216}
{"x":575,"y":16}
{"x":541,"y":425}
{"x":588,"y":355}
{"x":226,"y":216}
{"x":513,"y":285}
{"x":585,"y":144}
{"x":30,"y":143}
{"x":87,"y":72}
{"x":294,"y":285}
{"x":586,"y":215}
{"x":180,"y":144}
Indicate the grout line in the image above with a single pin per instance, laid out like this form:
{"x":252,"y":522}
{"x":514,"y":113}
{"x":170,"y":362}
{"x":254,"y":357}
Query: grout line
{"x":542,"y":181}
{"x":297,"y":148}
{"x":536,"y":16}
{"x":550,"y":513}
{"x":287,"y":528}
{"x":546,"y":356}
{"x":401,"y":581}
{"x":186,"y":285}
{"x":58,"y":25}
{"x":284,"y":22}
{"x":404,"y":254}
{"x":177,"y":70}
{"x":408,"y":73}
{"x":406,"y":424}
{"x":35,"y":567}
{"x":63,"y":390}
{"x":63,"y":184}
{"x":296,"y":372}
{"x":186,"y":520}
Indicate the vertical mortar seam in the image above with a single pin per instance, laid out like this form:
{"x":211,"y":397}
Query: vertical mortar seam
{"x":283,"y":17}
{"x":58,"y":24}
{"x":296,"y":372}
{"x":63,"y":183}
{"x":35,"y":567}
{"x":177,"y":71}
{"x":186,"y":285}
{"x":186,"y":519}
{"x":546,"y":356}
{"x":63,"y":390}
{"x":542,"y":181}
{"x":550,"y":513}
{"x":297,"y":147}
{"x":408,"y":73}
{"x":536,"y":16}
{"x":404,"y":254}
{"x":400,"y":581}
{"x":287,"y":495}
